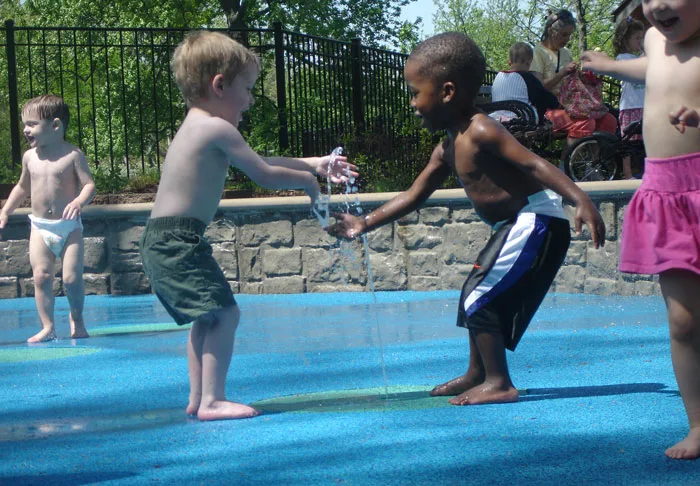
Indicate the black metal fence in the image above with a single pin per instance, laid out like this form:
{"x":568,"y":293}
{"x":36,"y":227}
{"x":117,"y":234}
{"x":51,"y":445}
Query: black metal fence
{"x":312,"y":95}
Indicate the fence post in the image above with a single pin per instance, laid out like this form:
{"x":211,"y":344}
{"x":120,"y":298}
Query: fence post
{"x":12,"y":87}
{"x":358,"y":110}
{"x":281,"y":86}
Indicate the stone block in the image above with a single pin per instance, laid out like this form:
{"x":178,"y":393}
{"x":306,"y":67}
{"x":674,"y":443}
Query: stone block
{"x":424,"y":283}
{"x":452,"y":276}
{"x":569,"y":279}
{"x":381,"y":239}
{"x":607,"y":212}
{"x":251,"y":288}
{"x":95,"y":260}
{"x":600,"y":286}
{"x":434,"y":216}
{"x":273,"y":233}
{"x":322,"y":288}
{"x":602,"y":262}
{"x":423,"y":263}
{"x":410,"y":218}
{"x":389,"y":271}
{"x":9,"y":288}
{"x":249,"y":264}
{"x":221,"y":230}
{"x":577,"y":253}
{"x":309,"y":234}
{"x":419,"y":236}
{"x":462,"y":242}
{"x":235,"y":286}
{"x":339,"y":266}
{"x":96,"y":284}
{"x":126,"y":239}
{"x":281,"y":262}
{"x":467,"y":215}
{"x":125,"y":262}
{"x":283,"y":285}
{"x":130,"y":284}
{"x":225,"y":255}
{"x":27,"y":287}
{"x":14,"y":258}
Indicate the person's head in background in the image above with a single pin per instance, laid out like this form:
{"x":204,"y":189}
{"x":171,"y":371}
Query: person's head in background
{"x":520,"y":56}
{"x":558,"y":29}
{"x":629,"y":37}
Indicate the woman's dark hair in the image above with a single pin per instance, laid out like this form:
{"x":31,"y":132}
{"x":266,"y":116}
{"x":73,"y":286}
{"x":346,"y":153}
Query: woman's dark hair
{"x":560,"y":18}
{"x":623,"y":31}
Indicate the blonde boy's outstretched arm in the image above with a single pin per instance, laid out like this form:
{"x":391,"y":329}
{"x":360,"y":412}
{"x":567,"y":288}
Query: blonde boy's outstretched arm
{"x":634,"y":70}
{"x":244,"y":158}
{"x":18,"y":194}
{"x":339,"y":171}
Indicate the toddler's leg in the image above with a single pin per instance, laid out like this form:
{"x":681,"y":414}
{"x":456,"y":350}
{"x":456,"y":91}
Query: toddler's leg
{"x":42,"y":261}
{"x":73,"y":257}
{"x":217,"y":347}
{"x":194,"y":362}
{"x":497,"y":386}
{"x":680,"y":290}
{"x":473,"y":376}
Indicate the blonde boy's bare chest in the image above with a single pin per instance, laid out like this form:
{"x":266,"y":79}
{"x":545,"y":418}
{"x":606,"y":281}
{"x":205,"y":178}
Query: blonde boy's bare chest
{"x":52,"y":171}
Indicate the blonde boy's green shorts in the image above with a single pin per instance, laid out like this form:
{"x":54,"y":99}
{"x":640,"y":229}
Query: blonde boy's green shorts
{"x":183,"y":273}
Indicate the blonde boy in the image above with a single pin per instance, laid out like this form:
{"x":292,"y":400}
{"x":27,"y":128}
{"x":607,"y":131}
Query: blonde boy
{"x":216,"y":76}
{"x":56,"y":175}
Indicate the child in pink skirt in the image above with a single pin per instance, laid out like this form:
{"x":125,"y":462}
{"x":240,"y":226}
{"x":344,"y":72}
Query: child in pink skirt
{"x":661,"y":229}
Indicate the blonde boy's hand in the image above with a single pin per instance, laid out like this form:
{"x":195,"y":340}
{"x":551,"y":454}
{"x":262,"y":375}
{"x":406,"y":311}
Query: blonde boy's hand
{"x":339,"y":171}
{"x":72,"y":210}
{"x":684,"y":117}
{"x":347,"y":226}
{"x":588,"y":214}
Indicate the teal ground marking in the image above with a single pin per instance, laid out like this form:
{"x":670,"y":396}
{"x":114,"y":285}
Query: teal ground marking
{"x":136,"y":328}
{"x":15,"y":355}
{"x":393,"y":398}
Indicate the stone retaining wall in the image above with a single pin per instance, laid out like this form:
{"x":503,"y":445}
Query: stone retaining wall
{"x":275,"y":246}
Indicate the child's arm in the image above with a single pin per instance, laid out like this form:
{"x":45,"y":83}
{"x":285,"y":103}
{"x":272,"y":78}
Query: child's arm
{"x":18,"y":194}
{"x":430,"y":178}
{"x":493,"y":137}
{"x":341,"y":170}
{"x":634,"y":70}
{"x":241,"y":156}
{"x":74,"y":208}
{"x":685,"y":117}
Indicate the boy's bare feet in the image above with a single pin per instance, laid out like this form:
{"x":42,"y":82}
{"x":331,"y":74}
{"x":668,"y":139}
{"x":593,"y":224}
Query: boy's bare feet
{"x":457,"y":385}
{"x":486,"y":393}
{"x":688,"y":448}
{"x":224,"y":410}
{"x":77,"y":329}
{"x":43,"y":336}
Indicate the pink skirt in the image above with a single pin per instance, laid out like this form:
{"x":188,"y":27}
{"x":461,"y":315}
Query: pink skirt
{"x":661,"y":227}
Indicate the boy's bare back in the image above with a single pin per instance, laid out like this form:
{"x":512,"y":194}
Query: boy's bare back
{"x":195,"y":169}
{"x":672,"y":80}
{"x":56,"y":176}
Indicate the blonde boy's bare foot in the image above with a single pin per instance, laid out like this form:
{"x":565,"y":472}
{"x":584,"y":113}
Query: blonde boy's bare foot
{"x":224,"y":410}
{"x":486,"y":393}
{"x":77,"y":329}
{"x":43,"y":336}
{"x":688,"y":448}
{"x":456,"y":386}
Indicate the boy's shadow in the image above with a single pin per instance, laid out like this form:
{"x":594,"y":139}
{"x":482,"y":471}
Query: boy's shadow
{"x":534,"y":394}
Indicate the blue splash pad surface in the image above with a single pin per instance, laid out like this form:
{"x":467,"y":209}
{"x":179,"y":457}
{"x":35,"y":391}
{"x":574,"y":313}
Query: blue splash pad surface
{"x":343,"y":379}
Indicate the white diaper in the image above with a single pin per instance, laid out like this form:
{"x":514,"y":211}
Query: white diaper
{"x":55,"y":231}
